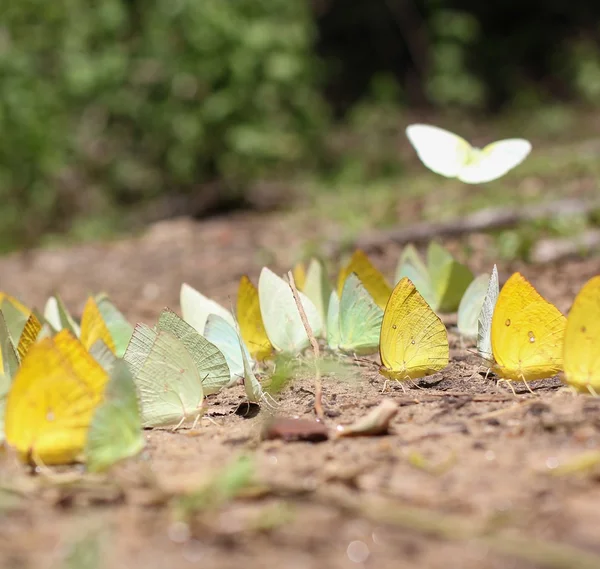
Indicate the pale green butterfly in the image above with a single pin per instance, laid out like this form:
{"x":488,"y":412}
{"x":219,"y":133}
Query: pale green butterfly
{"x":318,"y":288}
{"x":104,"y":356}
{"x":211,"y":363}
{"x":57,"y":315}
{"x":229,"y":341}
{"x":195,"y":308}
{"x":118,"y":326}
{"x":15,"y":320}
{"x":10,"y":358}
{"x":115,"y":432}
{"x":10,"y":364}
{"x":220,"y":333}
{"x":450,"y":155}
{"x":333,"y":321}
{"x":441,"y":283}
{"x":280,"y":314}
{"x":470,"y":306}
{"x":484,"y":324}
{"x":168,"y":382}
{"x":359,"y":320}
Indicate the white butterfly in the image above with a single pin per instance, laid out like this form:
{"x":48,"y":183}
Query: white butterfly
{"x":484,"y":323}
{"x":450,"y":155}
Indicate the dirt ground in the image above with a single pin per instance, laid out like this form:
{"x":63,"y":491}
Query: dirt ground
{"x":470,"y":476}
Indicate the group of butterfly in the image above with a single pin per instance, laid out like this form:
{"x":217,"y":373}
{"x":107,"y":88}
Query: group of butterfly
{"x":82,"y":392}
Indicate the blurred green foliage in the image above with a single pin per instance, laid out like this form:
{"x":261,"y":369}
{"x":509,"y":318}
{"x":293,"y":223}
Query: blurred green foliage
{"x":112,"y":105}
{"x":117,"y":101}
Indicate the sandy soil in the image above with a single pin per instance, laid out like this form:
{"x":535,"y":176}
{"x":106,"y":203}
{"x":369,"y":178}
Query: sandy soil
{"x":469,"y":477}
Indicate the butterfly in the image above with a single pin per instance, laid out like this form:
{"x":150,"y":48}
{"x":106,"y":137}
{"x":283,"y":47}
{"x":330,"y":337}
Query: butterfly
{"x":210,"y":361}
{"x":93,"y":327}
{"x":280,"y":314}
{"x":470,"y":306}
{"x":372,"y":279}
{"x":414,"y":341}
{"x":333,"y":321}
{"x":442,"y":282}
{"x":581,"y":351}
{"x":225,"y":337}
{"x":195,"y":308}
{"x":118,"y":326}
{"x":450,"y":155}
{"x":484,"y":322}
{"x":316,"y":287}
{"x":166,"y":377}
{"x":527,"y":333}
{"x":52,"y":400}
{"x":115,"y":432}
{"x":58,"y":316}
{"x":359,"y":319}
{"x":250,"y":321}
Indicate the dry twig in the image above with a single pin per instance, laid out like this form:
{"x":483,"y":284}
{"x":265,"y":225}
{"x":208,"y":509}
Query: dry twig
{"x":315,"y":346}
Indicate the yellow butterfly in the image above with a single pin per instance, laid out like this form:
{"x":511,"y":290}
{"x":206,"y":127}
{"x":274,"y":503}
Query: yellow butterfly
{"x":581,"y":351}
{"x":52,"y":400}
{"x":250,"y":321}
{"x":527,"y":333}
{"x":375,"y":283}
{"x":93,"y":327}
{"x":30,"y":333}
{"x":413,"y":341}
{"x":299,"y":272}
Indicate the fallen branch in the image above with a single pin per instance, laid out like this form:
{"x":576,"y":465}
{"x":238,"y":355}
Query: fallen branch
{"x":551,"y":250}
{"x":483,"y":220}
{"x":315,"y":346}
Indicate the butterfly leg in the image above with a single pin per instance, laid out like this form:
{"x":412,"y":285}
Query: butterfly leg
{"x":527,"y":384}
{"x":176,"y":427}
{"x":509,"y":383}
{"x":592,"y":391}
{"x":195,"y":423}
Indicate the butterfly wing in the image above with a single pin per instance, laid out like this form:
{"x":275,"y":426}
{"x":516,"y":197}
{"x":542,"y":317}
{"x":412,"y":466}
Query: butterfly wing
{"x":414,"y":342}
{"x":527,"y":333}
{"x":93,"y":327}
{"x":484,"y":322}
{"x":115,"y":432}
{"x":280,"y":314}
{"x":470,"y":306}
{"x":210,"y":362}
{"x":139,"y":347}
{"x":410,"y":265}
{"x":582,"y":339}
{"x":119,"y":327}
{"x":168,"y":382}
{"x":8,"y":354}
{"x":449,"y":278}
{"x":14,"y":317}
{"x":441,"y":151}
{"x":52,"y":400}
{"x":224,"y":337}
{"x":195,"y":308}
{"x":29,"y":335}
{"x":333,"y":321}
{"x":369,"y":276}
{"x":359,"y":319}
{"x":495,"y":160}
{"x":318,"y":288}
{"x":250,"y":321}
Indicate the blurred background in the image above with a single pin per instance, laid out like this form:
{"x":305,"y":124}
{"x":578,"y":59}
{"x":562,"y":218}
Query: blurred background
{"x":117,"y":113}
